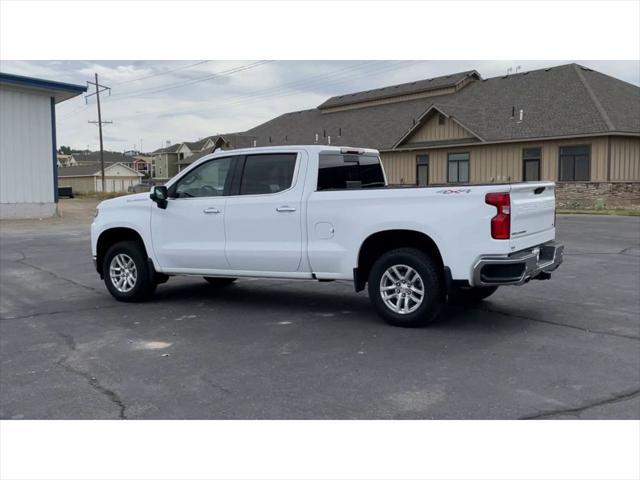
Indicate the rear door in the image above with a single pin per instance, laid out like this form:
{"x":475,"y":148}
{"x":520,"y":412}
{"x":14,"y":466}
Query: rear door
{"x":263,"y":219}
{"x":532,"y":213}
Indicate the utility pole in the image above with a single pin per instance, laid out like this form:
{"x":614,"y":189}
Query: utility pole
{"x":99,"y":88}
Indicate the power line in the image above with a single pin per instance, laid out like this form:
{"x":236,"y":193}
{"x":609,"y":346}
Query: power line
{"x":163,"y":72}
{"x":211,"y":76}
{"x":161,"y":88}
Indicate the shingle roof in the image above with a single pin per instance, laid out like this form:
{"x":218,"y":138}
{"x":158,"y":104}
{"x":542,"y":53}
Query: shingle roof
{"x":94,"y":157}
{"x":83,"y":170}
{"x":170,"y":149}
{"x":197,"y":145}
{"x":560,"y":101}
{"x":408,"y":88}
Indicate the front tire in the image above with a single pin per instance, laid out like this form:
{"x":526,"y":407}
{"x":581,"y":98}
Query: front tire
{"x":405,"y":288}
{"x":126,"y":272}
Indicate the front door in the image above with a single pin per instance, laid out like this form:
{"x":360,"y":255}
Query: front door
{"x":189,"y":234}
{"x":422,"y":170}
{"x":263,"y":218}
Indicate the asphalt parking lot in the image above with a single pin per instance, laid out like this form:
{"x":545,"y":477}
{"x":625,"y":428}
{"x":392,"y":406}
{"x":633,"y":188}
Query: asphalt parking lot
{"x":269,"y":349}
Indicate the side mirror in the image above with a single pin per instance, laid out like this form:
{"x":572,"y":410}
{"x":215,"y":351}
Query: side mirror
{"x":160,"y":196}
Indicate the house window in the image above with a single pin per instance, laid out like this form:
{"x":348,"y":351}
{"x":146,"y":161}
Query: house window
{"x":531,"y":164}
{"x":422,"y":170}
{"x":458,"y":168}
{"x":441,"y":119}
{"x":575,"y":163}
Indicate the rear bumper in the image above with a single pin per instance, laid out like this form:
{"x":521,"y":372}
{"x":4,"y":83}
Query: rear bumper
{"x":518,"y":268}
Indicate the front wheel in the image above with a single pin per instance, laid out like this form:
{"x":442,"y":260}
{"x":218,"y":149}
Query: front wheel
{"x":126,"y":272}
{"x":405,"y":288}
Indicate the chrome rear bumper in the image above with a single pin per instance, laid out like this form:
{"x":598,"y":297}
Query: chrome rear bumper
{"x":518,"y":268}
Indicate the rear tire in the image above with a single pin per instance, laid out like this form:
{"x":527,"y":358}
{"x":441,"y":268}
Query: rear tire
{"x":470,"y":295}
{"x":220,"y":281}
{"x":405,"y":288}
{"x":126,"y":272}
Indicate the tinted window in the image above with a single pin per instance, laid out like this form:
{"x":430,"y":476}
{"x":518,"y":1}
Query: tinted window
{"x":338,"y":171}
{"x":268,"y":173}
{"x":206,"y":180}
{"x":575,"y":163}
{"x":458,"y":168}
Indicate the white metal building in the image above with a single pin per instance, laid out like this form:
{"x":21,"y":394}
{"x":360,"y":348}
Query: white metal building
{"x":28,"y":160}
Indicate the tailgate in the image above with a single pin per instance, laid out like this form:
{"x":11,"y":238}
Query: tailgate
{"x":532,"y":213}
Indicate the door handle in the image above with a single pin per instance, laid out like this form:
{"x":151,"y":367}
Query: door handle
{"x":285,"y":208}
{"x":211,"y":210}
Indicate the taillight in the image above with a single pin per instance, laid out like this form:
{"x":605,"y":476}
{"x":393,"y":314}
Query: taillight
{"x":501,"y":223}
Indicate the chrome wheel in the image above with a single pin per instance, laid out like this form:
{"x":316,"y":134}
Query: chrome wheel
{"x":123,"y":273}
{"x":402,"y":289}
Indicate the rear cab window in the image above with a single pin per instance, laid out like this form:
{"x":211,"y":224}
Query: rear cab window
{"x":342,"y":171}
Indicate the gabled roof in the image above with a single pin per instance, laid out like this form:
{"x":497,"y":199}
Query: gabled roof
{"x":409,"y":88}
{"x":197,"y":145}
{"x":90,"y":170}
{"x":59,"y":90}
{"x":170,"y":149}
{"x":563,"y":101}
{"x":94,"y":157}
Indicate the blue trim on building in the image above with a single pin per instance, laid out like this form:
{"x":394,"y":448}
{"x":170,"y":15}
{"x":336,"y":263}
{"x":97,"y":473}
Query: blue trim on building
{"x":55,"y":149}
{"x":39,"y":82}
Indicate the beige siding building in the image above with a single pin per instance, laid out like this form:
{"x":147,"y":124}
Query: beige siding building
{"x":569,"y":124}
{"x":88,"y":178}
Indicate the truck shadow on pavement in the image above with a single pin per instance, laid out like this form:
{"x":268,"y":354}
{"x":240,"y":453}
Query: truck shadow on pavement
{"x":310,"y":300}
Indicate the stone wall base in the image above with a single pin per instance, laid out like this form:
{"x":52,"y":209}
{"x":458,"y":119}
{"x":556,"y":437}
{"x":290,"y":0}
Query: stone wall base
{"x":27,"y":210}
{"x":598,"y":195}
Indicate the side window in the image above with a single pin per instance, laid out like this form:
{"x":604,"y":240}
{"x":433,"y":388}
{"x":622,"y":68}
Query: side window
{"x":339,"y":172}
{"x":575,"y":163}
{"x":207,"y":180}
{"x":267,"y":173}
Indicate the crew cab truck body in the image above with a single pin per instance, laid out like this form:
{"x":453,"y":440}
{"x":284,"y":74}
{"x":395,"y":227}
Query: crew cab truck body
{"x":326,"y":213}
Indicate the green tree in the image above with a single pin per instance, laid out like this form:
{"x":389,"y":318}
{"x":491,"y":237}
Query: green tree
{"x":64,"y":150}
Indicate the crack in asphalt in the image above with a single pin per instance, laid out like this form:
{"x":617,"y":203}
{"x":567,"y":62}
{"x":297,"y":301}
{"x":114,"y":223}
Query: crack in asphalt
{"x":578,"y":410}
{"x":23,"y":261}
{"x":71,"y":344}
{"x":557,"y":324}
{"x":39,"y":314}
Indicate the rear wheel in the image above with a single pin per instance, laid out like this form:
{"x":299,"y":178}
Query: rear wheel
{"x":126,"y":272}
{"x":471,"y":295}
{"x":405,"y":288}
{"x":220,"y":281}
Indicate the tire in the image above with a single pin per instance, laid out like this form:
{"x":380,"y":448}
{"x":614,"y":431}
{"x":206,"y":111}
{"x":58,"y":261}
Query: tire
{"x":415,"y":314}
{"x":470,"y":295}
{"x":128,"y":253}
{"x":220,"y":281}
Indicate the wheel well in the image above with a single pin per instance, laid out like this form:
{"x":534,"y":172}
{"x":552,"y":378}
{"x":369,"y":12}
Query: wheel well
{"x":381,"y":242}
{"x":112,"y":236}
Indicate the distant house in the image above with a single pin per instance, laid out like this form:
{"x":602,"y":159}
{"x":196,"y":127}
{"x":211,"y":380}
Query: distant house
{"x":28,"y":152}
{"x":231,"y":141}
{"x":165,"y":160}
{"x":142,"y":164}
{"x":66,"y":160}
{"x":88,"y":178}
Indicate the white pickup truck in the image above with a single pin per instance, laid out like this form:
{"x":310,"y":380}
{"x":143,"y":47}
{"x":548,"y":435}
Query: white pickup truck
{"x":326,"y":213}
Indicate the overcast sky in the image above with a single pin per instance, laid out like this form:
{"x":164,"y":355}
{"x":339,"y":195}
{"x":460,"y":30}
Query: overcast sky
{"x":157,"y":101}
